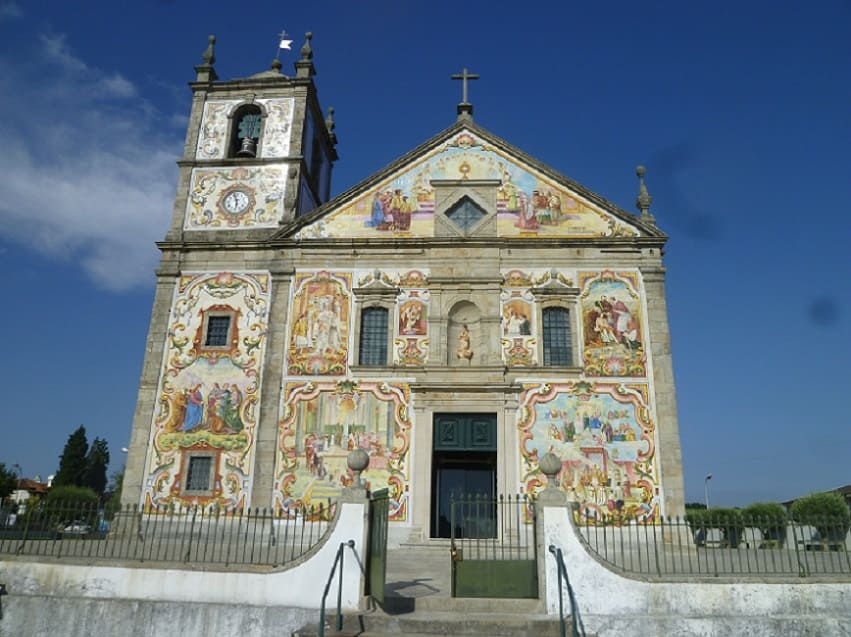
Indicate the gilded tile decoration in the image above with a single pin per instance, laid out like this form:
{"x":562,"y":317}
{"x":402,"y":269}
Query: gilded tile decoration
{"x":241,"y":197}
{"x":606,"y":440}
{"x":208,"y":394}
{"x":528,"y":203}
{"x":612,"y":338}
{"x":319,"y":323}
{"x":323,"y":422}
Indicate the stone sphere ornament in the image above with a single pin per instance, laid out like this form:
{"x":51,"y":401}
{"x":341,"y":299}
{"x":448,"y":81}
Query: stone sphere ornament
{"x":357,"y":460}
{"x":550,"y":465}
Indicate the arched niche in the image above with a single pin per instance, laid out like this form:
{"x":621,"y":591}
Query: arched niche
{"x":464,"y":334}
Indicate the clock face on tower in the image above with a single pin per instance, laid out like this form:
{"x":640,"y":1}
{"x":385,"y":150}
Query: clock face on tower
{"x":236,"y":200}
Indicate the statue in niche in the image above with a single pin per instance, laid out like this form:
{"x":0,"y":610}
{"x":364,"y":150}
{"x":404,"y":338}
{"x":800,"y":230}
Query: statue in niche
{"x":464,"y":351}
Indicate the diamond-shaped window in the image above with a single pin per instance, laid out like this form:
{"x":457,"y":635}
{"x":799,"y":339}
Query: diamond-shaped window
{"x":465,"y":214}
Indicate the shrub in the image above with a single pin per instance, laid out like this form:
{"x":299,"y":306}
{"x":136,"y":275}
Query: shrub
{"x":728,"y":520}
{"x":827,"y":512}
{"x":769,"y":517}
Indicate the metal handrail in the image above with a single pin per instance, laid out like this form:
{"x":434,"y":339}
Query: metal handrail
{"x":577,"y":628}
{"x":337,"y":558}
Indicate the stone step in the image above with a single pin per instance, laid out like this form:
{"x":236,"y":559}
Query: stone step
{"x":469,"y":623}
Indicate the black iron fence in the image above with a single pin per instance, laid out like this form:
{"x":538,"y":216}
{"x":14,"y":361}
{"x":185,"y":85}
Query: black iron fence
{"x":190,"y":535}
{"x":677,"y":547}
{"x":491,"y":528}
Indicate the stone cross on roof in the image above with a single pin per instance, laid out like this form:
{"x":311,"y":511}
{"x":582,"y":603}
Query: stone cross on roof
{"x":465,"y":109}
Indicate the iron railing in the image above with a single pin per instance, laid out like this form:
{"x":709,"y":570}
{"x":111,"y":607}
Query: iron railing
{"x":577,"y":628}
{"x":338,"y":559}
{"x":674,"y":547}
{"x":493,"y":528}
{"x":190,"y":535}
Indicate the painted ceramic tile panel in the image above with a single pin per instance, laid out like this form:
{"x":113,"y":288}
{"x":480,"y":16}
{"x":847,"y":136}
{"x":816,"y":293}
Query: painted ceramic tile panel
{"x":613,"y":341}
{"x":213,"y":135}
{"x":209,"y":395}
{"x":606,"y":440}
{"x":323,"y":422}
{"x":276,"y":127}
{"x":320,"y":313}
{"x":519,"y":330}
{"x":241,"y":197}
{"x":411,"y":340}
{"x":528,"y":203}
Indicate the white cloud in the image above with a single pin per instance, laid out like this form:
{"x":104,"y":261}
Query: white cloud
{"x":88,"y":170}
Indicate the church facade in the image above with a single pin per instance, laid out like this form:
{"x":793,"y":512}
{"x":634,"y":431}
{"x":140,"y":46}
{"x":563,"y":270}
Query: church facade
{"x":456,"y":315}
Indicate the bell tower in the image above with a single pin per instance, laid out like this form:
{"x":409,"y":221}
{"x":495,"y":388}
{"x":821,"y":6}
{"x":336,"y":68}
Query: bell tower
{"x":259,"y":152}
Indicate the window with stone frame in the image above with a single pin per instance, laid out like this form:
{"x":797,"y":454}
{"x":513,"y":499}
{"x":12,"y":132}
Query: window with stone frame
{"x":199,"y":474}
{"x":218,"y":329}
{"x":373,"y":336}
{"x":558,"y":351}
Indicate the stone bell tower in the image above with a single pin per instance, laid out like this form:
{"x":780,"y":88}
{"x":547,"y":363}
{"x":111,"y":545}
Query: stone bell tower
{"x":259,"y":152}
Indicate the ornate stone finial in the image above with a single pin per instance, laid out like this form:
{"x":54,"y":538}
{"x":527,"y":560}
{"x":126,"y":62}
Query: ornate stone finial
{"x":357,"y":461}
{"x":644,"y":199}
{"x":276,"y":65}
{"x":306,"y":51}
{"x":304,"y":67}
{"x":210,"y":53}
{"x":550,"y":465}
{"x":205,"y":72}
{"x":330,"y":125}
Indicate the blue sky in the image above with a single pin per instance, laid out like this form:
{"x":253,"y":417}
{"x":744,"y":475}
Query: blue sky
{"x":740,"y":111}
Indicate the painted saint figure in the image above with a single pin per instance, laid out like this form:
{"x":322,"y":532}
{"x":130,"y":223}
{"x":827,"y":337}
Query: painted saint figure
{"x":194,"y":408}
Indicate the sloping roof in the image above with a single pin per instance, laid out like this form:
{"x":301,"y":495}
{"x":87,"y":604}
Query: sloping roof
{"x":440,"y":140}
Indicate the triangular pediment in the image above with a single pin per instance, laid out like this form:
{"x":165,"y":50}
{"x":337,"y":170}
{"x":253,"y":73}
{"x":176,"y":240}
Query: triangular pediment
{"x":531,"y":200}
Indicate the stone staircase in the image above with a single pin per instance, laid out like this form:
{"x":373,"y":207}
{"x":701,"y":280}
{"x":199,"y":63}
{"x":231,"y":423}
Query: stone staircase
{"x":418,"y":603}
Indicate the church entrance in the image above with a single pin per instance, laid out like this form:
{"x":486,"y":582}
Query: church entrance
{"x":463,"y":465}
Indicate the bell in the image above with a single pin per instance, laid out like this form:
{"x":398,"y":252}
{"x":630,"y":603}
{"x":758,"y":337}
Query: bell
{"x":249,"y":148}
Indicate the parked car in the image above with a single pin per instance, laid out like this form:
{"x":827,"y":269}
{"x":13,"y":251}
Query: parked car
{"x":77,"y":527}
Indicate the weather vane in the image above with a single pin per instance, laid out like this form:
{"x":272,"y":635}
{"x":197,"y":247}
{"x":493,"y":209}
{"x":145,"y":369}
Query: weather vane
{"x":283,"y":43}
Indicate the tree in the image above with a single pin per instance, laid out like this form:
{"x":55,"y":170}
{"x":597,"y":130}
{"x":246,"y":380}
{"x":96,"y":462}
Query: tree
{"x":97,"y":459}
{"x":72,"y":462}
{"x":8,"y":482}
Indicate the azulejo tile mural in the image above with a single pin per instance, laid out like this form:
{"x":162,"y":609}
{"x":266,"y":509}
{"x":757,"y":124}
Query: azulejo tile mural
{"x":319,"y":323}
{"x":323,"y":421}
{"x":275,"y":141}
{"x":613,"y":340}
{"x":519,"y":332}
{"x":208,"y":393}
{"x":528,"y":203}
{"x":605,"y":438}
{"x":242,"y":197}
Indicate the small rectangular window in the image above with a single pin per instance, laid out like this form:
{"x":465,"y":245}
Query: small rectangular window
{"x":557,"y":348}
{"x":199,"y":473}
{"x":218,"y":331}
{"x":373,"y":336}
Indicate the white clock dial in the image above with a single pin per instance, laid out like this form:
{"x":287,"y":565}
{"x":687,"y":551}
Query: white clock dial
{"x":235,"y":201}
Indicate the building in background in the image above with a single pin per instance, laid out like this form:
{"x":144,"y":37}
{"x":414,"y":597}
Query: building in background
{"x":456,"y":315}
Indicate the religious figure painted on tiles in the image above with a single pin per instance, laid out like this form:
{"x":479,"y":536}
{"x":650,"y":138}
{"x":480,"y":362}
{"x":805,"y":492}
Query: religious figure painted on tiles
{"x":319,"y":323}
{"x":323,"y":422}
{"x":613,"y":343}
{"x":208,"y":393}
{"x":517,"y":339}
{"x":606,"y":441}
{"x":527,"y":201}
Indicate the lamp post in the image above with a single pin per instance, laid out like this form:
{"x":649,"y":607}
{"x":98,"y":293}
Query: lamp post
{"x":706,"y":488}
